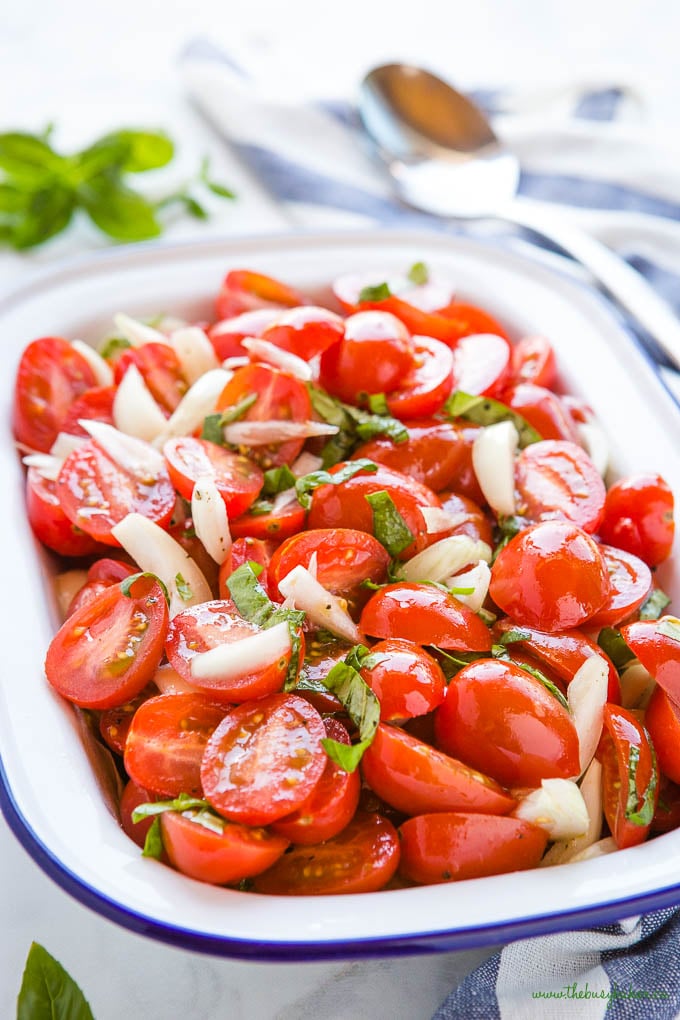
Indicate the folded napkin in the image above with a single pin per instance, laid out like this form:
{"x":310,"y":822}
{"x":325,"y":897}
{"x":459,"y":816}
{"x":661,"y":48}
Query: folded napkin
{"x":592,"y":162}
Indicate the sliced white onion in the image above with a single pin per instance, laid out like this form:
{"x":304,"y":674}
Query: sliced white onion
{"x":438,"y":519}
{"x":130,"y":453}
{"x":237,"y":361}
{"x":155,"y":551}
{"x":313,"y":565}
{"x":493,"y":460}
{"x":260,"y":433}
{"x":595,"y":442}
{"x":47,"y":466}
{"x":599,"y":849}
{"x":477,"y":578}
{"x":587,"y":695}
{"x":137,"y":333}
{"x":558,"y":807}
{"x":256,"y":652}
{"x":591,"y":791}
{"x":66,"y":587}
{"x":637,"y":686}
{"x":101,"y":368}
{"x":444,"y":558}
{"x":252,"y":323}
{"x":168,"y":681}
{"x":135,"y":412}
{"x":195,"y":352}
{"x":198,"y":402}
{"x":65,"y":443}
{"x":305,"y":464}
{"x":282,"y":500}
{"x":273,"y":355}
{"x":209,"y":515}
{"x":323,"y":609}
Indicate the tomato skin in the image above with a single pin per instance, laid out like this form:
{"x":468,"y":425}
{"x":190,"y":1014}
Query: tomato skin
{"x":375,"y":356}
{"x":107,"y":652}
{"x":114,"y":723}
{"x":264,"y":759}
{"x":51,"y":375}
{"x":407,"y":681}
{"x":454,"y":846}
{"x":662,"y":720}
{"x":237,"y":478}
{"x":551,"y":576}
{"x":218,"y":858}
{"x":638,"y":517}
{"x":658,"y":652}
{"x":361,"y":858}
{"x":428,"y":383}
{"x":481,"y":363}
{"x":330,"y":806}
{"x":94,"y":404}
{"x":132,"y":796}
{"x":501,"y":720}
{"x":544,"y":411}
{"x":166,"y":741}
{"x":557,"y":479}
{"x":345,"y":558}
{"x":630,"y":582}
{"x":244,"y":290}
{"x":533,"y":361}
{"x":161,"y":370}
{"x":426,"y":615}
{"x":621,"y":733}
{"x":417,"y":321}
{"x":305,"y":331}
{"x":417,"y":779}
{"x":434,"y":453}
{"x":667,"y":814}
{"x":228,"y":335}
{"x":49,"y":522}
{"x":270,"y":527}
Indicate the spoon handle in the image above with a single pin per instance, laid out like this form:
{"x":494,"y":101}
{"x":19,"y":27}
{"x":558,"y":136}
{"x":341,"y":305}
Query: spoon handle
{"x":621,"y":281}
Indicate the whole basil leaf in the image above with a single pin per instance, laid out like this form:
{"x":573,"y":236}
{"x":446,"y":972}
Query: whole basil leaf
{"x":145,"y":150}
{"x":49,"y":210}
{"x":27,"y":159}
{"x":119,"y":211}
{"x":48,"y":992}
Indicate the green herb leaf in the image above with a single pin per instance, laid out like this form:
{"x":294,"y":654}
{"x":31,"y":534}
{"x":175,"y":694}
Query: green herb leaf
{"x":361,"y":705}
{"x":29,"y":160}
{"x":308,"y":483}
{"x":516,"y":634}
{"x":640,"y":810}
{"x":213,"y":424}
{"x":127,"y":583}
{"x":213,"y":429}
{"x":485,"y":411}
{"x":460,"y":591}
{"x":214,"y":186}
{"x":389,"y":527}
{"x":542,"y":679}
{"x":669,"y":626}
{"x":418,"y":273}
{"x":612,"y":644}
{"x":144,"y":150}
{"x":347,"y":756}
{"x":277,"y":480}
{"x":261,"y":507}
{"x":184,"y":198}
{"x":118,"y":211}
{"x":451,"y":663}
{"x":113,"y":346}
{"x":377,"y":292}
{"x":48,"y":992}
{"x":47,"y":212}
{"x":505,"y":530}
{"x":354,"y":424}
{"x":153,"y":843}
{"x":183,"y":589}
{"x":654,"y":605}
{"x":184,"y":802}
{"x":237,"y":410}
{"x":377,"y":404}
{"x":370,"y":425}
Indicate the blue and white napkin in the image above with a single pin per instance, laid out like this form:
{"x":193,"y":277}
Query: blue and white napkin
{"x":585,"y":151}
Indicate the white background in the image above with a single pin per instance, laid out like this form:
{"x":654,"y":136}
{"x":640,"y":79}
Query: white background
{"x":90,"y":67}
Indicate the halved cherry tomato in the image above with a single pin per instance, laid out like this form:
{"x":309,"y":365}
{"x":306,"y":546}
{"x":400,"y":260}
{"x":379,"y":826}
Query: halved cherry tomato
{"x":428,"y":383}
{"x":557,"y":479}
{"x":166,"y":741}
{"x":471,"y":519}
{"x":362,"y":858}
{"x":551,"y":576}
{"x":656,"y":643}
{"x":244,"y":290}
{"x":264,"y":759}
{"x":533,"y":361}
{"x":638,"y":517}
{"x":435,"y":453}
{"x":305,"y":331}
{"x":227,"y":336}
{"x":344,"y":559}
{"x":450,"y":847}
{"x":274,"y":525}
{"x":51,"y":375}
{"x":96,"y":493}
{"x":102,"y":574}
{"x":237,"y":478}
{"x":543,"y":409}
{"x":107,"y":652}
{"x":220,"y":857}
{"x":375,"y":356}
{"x":630,"y":582}
{"x":501,"y":720}
{"x":94,"y":404}
{"x":667,"y":814}
{"x":49,"y":522}
{"x":330,"y":806}
{"x":161,"y":370}
{"x":481,"y":363}
{"x":114,"y":723}
{"x":132,"y":796}
{"x":406,"y":680}
{"x":629,"y":776}
{"x":426,"y":615}
{"x":416,"y":778}
{"x":662,"y":719}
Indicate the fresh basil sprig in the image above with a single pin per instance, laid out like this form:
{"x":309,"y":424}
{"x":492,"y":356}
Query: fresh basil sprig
{"x":48,"y":992}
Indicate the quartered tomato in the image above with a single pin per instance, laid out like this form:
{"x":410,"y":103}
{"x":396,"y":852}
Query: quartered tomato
{"x":107,"y":652}
{"x":662,"y":719}
{"x":481,"y":363}
{"x":344,"y":558}
{"x":305,"y":331}
{"x":630,"y":582}
{"x":543,"y":409}
{"x":49,"y":522}
{"x":94,"y":404}
{"x":161,"y":370}
{"x":244,"y":290}
{"x":428,"y":383}
{"x":629,"y":775}
{"x":237,"y":478}
{"x":557,"y":479}
{"x":406,"y":680}
{"x":426,"y":615}
{"x":656,"y":643}
{"x":533,"y":361}
{"x":638,"y":517}
{"x":375,"y":356}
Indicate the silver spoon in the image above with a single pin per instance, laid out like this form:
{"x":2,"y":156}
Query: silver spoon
{"x":444,"y":158}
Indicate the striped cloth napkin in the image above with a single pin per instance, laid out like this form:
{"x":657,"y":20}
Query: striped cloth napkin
{"x":585,"y":152}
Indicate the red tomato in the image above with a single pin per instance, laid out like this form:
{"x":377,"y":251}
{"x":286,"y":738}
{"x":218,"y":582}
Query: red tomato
{"x":436,"y":453}
{"x":416,"y":778}
{"x":244,"y":290}
{"x":305,"y":331}
{"x":450,"y":847}
{"x":629,"y":777}
{"x":49,"y":522}
{"x":471,"y":518}
{"x":246,"y":550}
{"x":630,"y":582}
{"x":227,"y":336}
{"x":558,"y":479}
{"x":656,"y":643}
{"x":330,"y":806}
{"x":199,"y":628}
{"x":638,"y":517}
{"x":428,"y":383}
{"x":94,"y":404}
{"x":96,"y":493}
{"x":481,"y":363}
{"x":426,"y":615}
{"x":234,"y":853}
{"x":132,"y":796}
{"x":362,"y":858}
{"x":501,"y":720}
{"x":418,"y":321}
{"x":51,"y":375}
{"x":375,"y":356}
{"x":344,"y":558}
{"x":551,"y":576}
{"x":275,"y":525}
{"x":406,"y":680}
{"x":667,"y":814}
{"x":533,"y":361}
{"x":280,"y":397}
{"x":237,"y":478}
{"x":264,"y":759}
{"x":161,"y":370}
{"x":662,"y":719}
{"x":114,"y":723}
{"x":544,"y":411}
{"x":320,"y":658}
{"x":107,"y":652}
{"x":110,"y":571}
{"x":469,"y":320}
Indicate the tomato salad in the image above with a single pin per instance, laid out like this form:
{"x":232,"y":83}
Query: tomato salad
{"x":347,"y":597}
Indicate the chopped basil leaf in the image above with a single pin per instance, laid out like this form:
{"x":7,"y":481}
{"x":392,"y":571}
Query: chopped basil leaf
{"x":377,"y":404}
{"x":453,"y":662}
{"x":636,"y":812}
{"x":460,"y":591}
{"x":377,"y":292}
{"x":389,"y":527}
{"x":654,"y":605}
{"x":669,"y":626}
{"x":347,"y":756}
{"x":418,"y":273}
{"x":212,"y":429}
{"x":277,"y":480}
{"x":208,"y":819}
{"x":295,"y":619}
{"x":260,"y":507}
{"x":236,"y":411}
{"x":612,"y":644}
{"x":360,"y":657}
{"x":360,"y":703}
{"x":305,"y":486}
{"x":127,"y":583}
{"x":354,"y":424}
{"x":370,"y":425}
{"x":183,"y":589}
{"x":113,"y":346}
{"x":516,"y":634}
{"x":183,"y":802}
{"x":486,"y":411}
{"x":48,"y":992}
{"x":153,"y":844}
{"x":541,"y":677}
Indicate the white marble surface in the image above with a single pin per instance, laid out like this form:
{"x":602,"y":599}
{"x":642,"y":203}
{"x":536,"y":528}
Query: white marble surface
{"x":91,"y":67}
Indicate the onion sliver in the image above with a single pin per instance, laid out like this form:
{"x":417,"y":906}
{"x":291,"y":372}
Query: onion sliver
{"x":478,"y":579}
{"x":209,"y":515}
{"x":100,"y":367}
{"x":65,"y":443}
{"x":599,"y":849}
{"x":493,"y":459}
{"x":595,"y":442}
{"x":195,"y":352}
{"x":261,"y":433}
{"x":322,"y":608}
{"x":230,"y":661}
{"x":45,"y":464}
{"x":66,"y":587}
{"x":587,"y":695}
{"x":444,"y":558}
{"x":129,"y":453}
{"x":137,"y":333}
{"x":591,"y":791}
{"x":557,"y":806}
{"x":135,"y":411}
{"x":168,"y":681}
{"x":438,"y":519}
{"x":636,"y":685}
{"x":196,"y":403}
{"x":273,"y":355}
